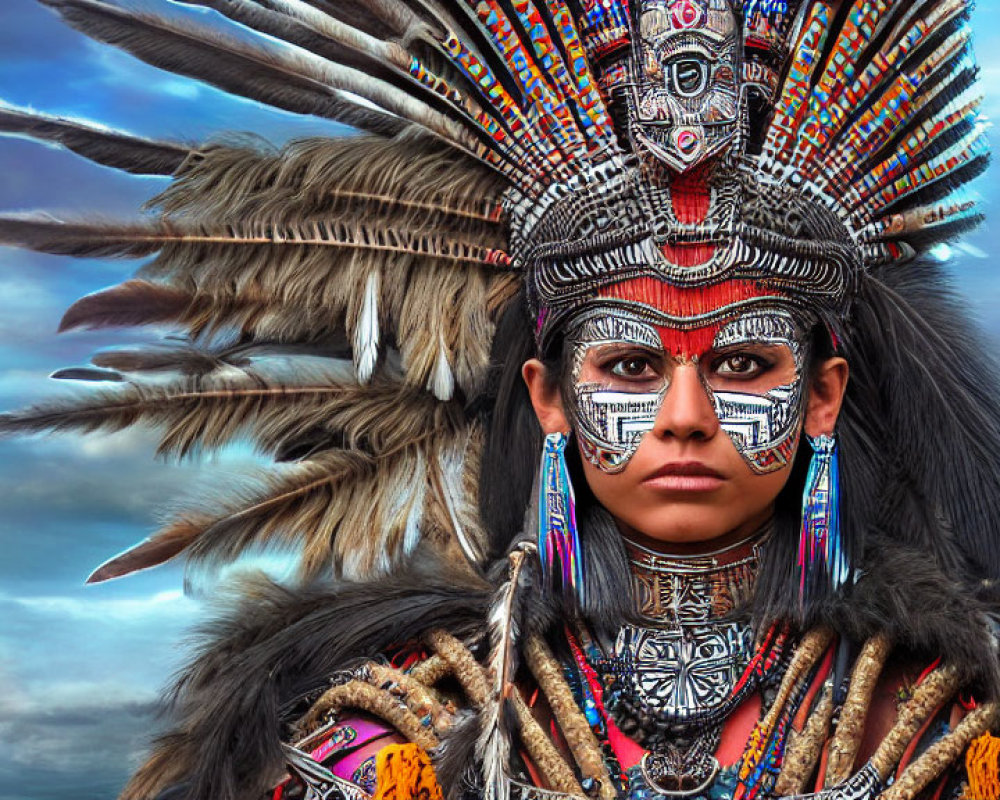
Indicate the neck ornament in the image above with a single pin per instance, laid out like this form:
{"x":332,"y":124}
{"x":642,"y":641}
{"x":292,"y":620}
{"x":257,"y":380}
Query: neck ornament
{"x":672,"y":591}
{"x":688,"y":661}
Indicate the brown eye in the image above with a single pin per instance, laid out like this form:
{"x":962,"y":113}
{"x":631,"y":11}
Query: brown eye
{"x":739,"y":365}
{"x":633,"y":368}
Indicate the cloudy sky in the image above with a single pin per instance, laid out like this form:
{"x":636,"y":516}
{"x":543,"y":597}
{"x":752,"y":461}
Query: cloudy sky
{"x":80,"y":667}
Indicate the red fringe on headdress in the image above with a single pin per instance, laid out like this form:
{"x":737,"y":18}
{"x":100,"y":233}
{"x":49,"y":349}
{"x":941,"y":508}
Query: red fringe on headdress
{"x":691,"y":199}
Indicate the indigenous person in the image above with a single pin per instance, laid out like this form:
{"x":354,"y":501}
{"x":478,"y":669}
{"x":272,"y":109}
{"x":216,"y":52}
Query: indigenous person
{"x":632,"y":450}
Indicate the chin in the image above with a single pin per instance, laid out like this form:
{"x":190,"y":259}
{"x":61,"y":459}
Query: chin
{"x":684,"y":526}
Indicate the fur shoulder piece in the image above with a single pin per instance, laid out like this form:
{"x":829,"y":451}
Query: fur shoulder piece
{"x":926,"y":613}
{"x":274,"y":648}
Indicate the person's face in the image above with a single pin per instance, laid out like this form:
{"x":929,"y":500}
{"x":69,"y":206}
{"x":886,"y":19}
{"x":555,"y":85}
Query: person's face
{"x":751,"y":368}
{"x":683,"y":446}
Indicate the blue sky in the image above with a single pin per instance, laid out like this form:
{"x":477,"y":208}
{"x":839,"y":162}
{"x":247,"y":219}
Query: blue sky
{"x":80,"y":667}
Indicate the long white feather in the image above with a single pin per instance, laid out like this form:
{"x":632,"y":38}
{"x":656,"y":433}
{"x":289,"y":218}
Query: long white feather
{"x":415,"y":512}
{"x":494,"y":745}
{"x":366,"y":331}
{"x":452,"y":470}
{"x":442,"y":381}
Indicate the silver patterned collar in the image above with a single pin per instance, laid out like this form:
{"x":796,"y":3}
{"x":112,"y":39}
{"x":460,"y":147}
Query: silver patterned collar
{"x":672,"y":591}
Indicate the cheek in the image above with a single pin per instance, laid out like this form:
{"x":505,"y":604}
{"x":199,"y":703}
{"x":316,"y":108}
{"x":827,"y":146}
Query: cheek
{"x":764,"y":428}
{"x":764,"y":431}
{"x":612,"y":425}
{"x":763,"y":489}
{"x":757,"y":489}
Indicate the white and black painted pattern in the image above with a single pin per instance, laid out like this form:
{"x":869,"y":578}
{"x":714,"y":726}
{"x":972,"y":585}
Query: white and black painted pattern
{"x":597,"y":329}
{"x":611,"y":423}
{"x":763,"y":426}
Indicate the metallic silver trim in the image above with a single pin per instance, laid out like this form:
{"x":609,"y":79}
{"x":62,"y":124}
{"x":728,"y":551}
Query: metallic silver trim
{"x":654,"y":784}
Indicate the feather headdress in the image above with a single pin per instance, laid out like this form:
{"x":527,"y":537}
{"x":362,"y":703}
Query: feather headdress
{"x":338,"y":298}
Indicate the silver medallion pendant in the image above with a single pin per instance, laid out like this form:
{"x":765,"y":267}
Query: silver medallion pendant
{"x":673,"y":689}
{"x":682,"y":772}
{"x":672,"y":680}
{"x":675,"y":679}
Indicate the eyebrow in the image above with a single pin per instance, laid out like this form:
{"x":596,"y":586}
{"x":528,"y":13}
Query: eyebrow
{"x":609,"y":344}
{"x":772,"y":344}
{"x":763,"y":341}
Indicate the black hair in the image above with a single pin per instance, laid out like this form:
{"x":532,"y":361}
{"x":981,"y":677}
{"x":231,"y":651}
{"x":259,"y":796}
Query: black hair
{"x":510,"y":462}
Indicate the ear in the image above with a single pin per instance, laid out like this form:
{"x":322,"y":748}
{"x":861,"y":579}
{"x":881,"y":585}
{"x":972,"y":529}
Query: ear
{"x":545,"y":398}
{"x":826,"y":395}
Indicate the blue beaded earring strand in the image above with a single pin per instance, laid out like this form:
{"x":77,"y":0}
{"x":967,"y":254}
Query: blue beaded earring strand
{"x":558,"y":538}
{"x":821,"y":547}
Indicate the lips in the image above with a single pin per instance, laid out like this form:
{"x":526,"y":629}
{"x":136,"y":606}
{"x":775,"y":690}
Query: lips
{"x":685,"y":476}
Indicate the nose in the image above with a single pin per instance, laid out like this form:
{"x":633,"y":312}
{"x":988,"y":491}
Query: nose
{"x":687,"y":411}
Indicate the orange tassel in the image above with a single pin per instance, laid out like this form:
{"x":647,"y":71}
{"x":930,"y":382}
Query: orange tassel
{"x":405,"y":772}
{"x":982,"y":764}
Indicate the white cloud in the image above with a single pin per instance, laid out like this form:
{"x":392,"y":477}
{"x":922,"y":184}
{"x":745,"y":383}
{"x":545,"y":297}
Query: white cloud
{"x":55,"y":728}
{"x":69,"y":696}
{"x":129,"y":442}
{"x":16,"y":384}
{"x":149,"y":609}
{"x":27,"y":295}
{"x":50,"y":725}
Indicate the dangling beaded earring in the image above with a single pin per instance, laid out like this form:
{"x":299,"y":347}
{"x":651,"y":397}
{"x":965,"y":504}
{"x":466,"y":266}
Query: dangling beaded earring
{"x":820,"y":544}
{"x":558,"y":540}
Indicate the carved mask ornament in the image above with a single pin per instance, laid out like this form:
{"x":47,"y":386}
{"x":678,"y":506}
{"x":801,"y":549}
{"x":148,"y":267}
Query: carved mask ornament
{"x":684,"y":103}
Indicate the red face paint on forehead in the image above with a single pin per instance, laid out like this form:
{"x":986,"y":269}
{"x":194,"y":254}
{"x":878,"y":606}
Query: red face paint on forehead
{"x":685,"y":302}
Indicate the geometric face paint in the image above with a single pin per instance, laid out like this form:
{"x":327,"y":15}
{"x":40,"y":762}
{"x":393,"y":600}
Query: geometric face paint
{"x":613,"y":415}
{"x":753,"y":375}
{"x":763,"y":426}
